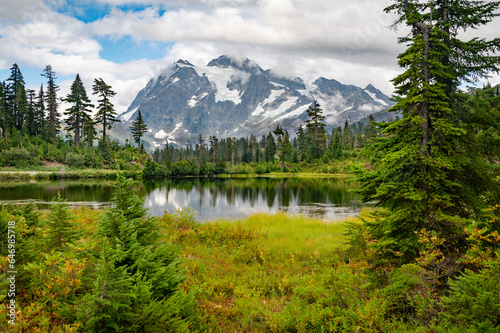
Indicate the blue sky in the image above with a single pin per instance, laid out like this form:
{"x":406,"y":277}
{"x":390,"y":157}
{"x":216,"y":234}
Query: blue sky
{"x":129,"y":42}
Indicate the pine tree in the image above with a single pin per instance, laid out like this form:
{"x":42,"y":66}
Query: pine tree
{"x":270,"y":149}
{"x":60,"y":227}
{"x":336,"y":146}
{"x":285,"y":148}
{"x":346,"y":136}
{"x":53,"y":117}
{"x":137,"y":277}
{"x":370,"y":129}
{"x":40,"y":112}
{"x":429,"y":177}
{"x":106,"y":115}
{"x":31,"y":114}
{"x":79,"y":113}
{"x":301,"y":141}
{"x":138,"y":128}
{"x":15,"y":98}
{"x":316,"y":128}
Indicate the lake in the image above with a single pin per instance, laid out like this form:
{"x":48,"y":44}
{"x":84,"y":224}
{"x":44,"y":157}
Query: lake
{"x":209,"y":198}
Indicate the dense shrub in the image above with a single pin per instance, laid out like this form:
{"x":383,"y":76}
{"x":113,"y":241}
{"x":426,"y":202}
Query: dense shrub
{"x":154,"y":170}
{"x":74,"y":160}
{"x":19,"y":158}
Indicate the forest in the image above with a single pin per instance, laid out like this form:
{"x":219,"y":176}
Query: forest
{"x":425,"y":259}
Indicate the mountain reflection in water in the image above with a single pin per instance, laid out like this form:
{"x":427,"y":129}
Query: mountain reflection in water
{"x":209,"y":198}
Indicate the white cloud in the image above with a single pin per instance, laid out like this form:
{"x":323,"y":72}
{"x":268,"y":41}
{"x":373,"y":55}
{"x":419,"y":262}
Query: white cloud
{"x":346,"y":41}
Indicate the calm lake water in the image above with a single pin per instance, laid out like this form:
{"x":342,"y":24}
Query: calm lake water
{"x":209,"y":198}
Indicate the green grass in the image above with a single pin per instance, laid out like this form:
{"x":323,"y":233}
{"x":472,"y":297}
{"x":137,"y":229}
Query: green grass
{"x":268,"y":272}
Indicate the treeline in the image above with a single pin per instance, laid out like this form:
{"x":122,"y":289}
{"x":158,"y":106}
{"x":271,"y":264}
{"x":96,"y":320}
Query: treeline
{"x":25,"y":111}
{"x":31,"y":126}
{"x":276,"y":151}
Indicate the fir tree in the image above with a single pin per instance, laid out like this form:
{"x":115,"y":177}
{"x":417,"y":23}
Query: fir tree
{"x":40,"y":112}
{"x":429,"y":178}
{"x":270,"y":149}
{"x":53,"y":117}
{"x":138,"y":128}
{"x":31,"y":114}
{"x":137,"y":280}
{"x":285,"y":148}
{"x":316,"y":128}
{"x":15,"y":101}
{"x":106,"y":115}
{"x":79,"y":113}
{"x":346,"y":136}
{"x":60,"y":227}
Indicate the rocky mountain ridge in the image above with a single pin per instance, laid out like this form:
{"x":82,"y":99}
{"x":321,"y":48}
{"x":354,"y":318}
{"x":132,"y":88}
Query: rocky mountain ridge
{"x":236,"y":98}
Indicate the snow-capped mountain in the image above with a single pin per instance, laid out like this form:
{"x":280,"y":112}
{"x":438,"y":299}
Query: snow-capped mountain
{"x":231,"y":98}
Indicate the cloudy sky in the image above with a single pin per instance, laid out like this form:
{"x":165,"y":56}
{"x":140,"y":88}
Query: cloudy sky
{"x":128,"y":42}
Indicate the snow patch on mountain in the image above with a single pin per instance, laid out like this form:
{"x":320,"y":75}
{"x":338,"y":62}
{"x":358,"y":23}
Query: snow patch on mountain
{"x":374,"y":97}
{"x":296,"y":112}
{"x":126,"y":116}
{"x":221,"y":77}
{"x":265,"y":105}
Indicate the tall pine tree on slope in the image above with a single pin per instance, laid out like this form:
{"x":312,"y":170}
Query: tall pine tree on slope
{"x":138,"y":128}
{"x":429,"y":177}
{"x":53,"y":117}
{"x":106,"y":115}
{"x":79,"y":112}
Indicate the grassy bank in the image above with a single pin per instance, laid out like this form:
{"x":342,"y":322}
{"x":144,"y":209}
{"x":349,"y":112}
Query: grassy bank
{"x":65,"y":174}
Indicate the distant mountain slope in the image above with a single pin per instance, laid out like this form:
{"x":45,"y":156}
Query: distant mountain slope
{"x":231,"y":98}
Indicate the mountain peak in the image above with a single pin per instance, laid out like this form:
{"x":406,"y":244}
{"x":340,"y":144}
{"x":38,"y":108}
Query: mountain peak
{"x":245,"y":64}
{"x":183,"y":62}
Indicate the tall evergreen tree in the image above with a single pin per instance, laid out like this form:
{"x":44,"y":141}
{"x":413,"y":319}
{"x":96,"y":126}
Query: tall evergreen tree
{"x":138,"y":128}
{"x":40,"y":112}
{"x":317,"y":128}
{"x":53,"y":117}
{"x":106,"y":115}
{"x":270,"y":149}
{"x":285,"y":148}
{"x":79,"y":112}
{"x":429,"y":177}
{"x":346,"y":136}
{"x":31,"y":114}
{"x":15,"y":96}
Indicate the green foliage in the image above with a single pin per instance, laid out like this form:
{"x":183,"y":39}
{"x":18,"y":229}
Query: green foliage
{"x":430,"y":175}
{"x":473,"y":301}
{"x":106,"y":115}
{"x":154,"y":170}
{"x":61,"y":230}
{"x":138,"y":128}
{"x":76,"y":161}
{"x":19,"y":158}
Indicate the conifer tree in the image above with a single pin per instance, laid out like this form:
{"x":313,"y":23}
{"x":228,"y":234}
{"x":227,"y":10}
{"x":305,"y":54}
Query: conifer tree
{"x":138,"y":128}
{"x":270,"y":149}
{"x":106,"y":115}
{"x":316,"y":128}
{"x":346,"y":136}
{"x":60,"y":227}
{"x":79,"y":113}
{"x":31,"y":114}
{"x":137,"y":280}
{"x":285,"y":148}
{"x":40,"y":112}
{"x":429,"y":177}
{"x":15,"y":98}
{"x":53,"y":117}
{"x":336,"y":146}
